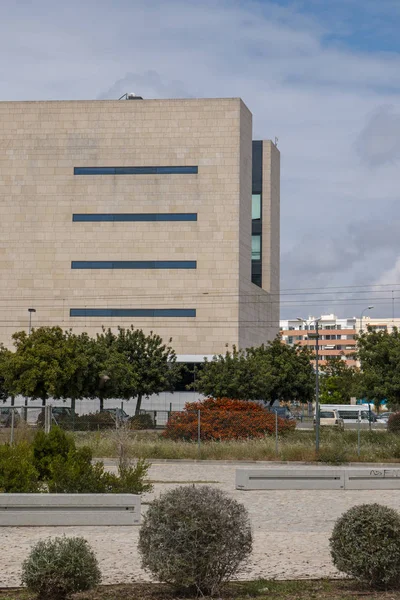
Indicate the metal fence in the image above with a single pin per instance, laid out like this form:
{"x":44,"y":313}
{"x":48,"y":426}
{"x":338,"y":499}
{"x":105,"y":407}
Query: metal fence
{"x":20,"y":422}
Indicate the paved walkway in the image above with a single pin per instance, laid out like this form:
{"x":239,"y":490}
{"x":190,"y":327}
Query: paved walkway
{"x":291,"y":528}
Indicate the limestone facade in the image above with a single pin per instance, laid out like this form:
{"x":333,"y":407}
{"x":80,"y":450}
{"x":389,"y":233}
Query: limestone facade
{"x":43,"y":142}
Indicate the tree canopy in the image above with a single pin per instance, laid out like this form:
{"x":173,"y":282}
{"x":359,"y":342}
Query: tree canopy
{"x":52,"y":363}
{"x":4,"y":355}
{"x":35,"y":368}
{"x":379,"y":356}
{"x":145,"y":364}
{"x":270,"y":372}
{"x":338,"y":382}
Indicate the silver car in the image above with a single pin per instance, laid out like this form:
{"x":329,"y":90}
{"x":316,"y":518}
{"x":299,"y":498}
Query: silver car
{"x":329,"y":418}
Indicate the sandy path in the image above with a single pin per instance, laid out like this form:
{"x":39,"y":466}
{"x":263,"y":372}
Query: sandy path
{"x":291,"y":528}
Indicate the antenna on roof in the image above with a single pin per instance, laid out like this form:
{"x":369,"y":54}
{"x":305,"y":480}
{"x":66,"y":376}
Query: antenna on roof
{"x":276,"y":141}
{"x":130,"y":96}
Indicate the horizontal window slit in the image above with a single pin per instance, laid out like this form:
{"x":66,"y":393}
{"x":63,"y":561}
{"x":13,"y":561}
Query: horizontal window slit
{"x":136,"y":217}
{"x":133,"y":312}
{"x":134,"y":264}
{"x":180,"y":170}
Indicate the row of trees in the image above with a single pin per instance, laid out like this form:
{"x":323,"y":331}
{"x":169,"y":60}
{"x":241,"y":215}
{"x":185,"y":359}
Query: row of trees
{"x":270,"y":372}
{"x":52,"y":363}
{"x":128,"y":364}
{"x":378,"y":377}
{"x":279,"y":372}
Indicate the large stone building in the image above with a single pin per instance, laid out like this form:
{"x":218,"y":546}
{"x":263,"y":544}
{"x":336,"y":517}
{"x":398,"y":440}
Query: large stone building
{"x":140,"y":212}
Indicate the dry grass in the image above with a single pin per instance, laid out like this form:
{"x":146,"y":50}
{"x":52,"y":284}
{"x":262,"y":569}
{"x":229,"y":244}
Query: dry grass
{"x":336,"y":447}
{"x":22,"y":433}
{"x":261,"y":589}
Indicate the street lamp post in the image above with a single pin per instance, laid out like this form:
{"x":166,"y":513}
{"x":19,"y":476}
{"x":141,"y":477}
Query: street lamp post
{"x":362,"y":314}
{"x":369,"y":405}
{"x":316,"y":337}
{"x":30,"y":310}
{"x":25,"y":410}
{"x":317,"y":421}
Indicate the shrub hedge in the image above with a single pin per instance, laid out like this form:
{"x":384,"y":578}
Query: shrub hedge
{"x":224,"y":419}
{"x":195,"y":538}
{"x":365,"y":544}
{"x":394,"y":423}
{"x":17,"y":470}
{"x":59,"y":567}
{"x":52,"y":463}
{"x":143,"y":421}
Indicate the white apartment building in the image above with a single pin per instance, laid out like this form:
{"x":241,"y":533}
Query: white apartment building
{"x":336,"y":336}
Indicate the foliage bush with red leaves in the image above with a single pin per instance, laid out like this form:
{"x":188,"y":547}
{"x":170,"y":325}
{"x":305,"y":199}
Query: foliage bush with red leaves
{"x":224,"y":419}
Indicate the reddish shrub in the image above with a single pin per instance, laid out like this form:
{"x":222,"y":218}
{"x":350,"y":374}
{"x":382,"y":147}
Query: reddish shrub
{"x":394,"y":423}
{"x":223,"y":419}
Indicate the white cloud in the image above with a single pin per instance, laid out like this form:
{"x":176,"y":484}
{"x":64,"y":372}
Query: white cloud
{"x":339,"y":147}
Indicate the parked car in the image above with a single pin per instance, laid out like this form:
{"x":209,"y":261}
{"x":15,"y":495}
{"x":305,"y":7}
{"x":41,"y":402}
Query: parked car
{"x":117,"y":413}
{"x":60,"y":415}
{"x":384,"y":417}
{"x":351,"y":414}
{"x":5,"y":417}
{"x":329,"y":418}
{"x":283,"y":412}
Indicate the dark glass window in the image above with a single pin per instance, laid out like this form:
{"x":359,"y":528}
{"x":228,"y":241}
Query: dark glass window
{"x":256,"y":206}
{"x":132,"y":312}
{"x":114,"y":217}
{"x":256,"y":214}
{"x":134,"y":264}
{"x":188,"y":375}
{"x":256,"y":247}
{"x":135,"y":170}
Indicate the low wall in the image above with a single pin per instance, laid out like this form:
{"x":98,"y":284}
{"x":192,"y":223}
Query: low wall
{"x":289,"y":479}
{"x":68,"y":509}
{"x":318,"y":479}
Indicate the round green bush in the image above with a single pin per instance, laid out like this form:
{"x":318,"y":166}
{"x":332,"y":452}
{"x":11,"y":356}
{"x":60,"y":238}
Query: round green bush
{"x":365,"y":544}
{"x":58,"y":567}
{"x":195,"y":538}
{"x":393,"y":425}
{"x":141,"y":422}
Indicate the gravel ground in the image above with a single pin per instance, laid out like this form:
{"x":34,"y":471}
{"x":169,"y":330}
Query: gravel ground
{"x":291,"y":527}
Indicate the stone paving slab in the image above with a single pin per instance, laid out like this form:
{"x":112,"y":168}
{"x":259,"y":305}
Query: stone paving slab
{"x":291,"y":527}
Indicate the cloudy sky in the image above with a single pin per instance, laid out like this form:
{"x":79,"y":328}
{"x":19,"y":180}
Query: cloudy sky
{"x":323,"y":76}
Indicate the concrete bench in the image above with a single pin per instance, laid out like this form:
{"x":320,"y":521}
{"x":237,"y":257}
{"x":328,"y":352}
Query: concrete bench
{"x":318,"y":479}
{"x":68,"y":509}
{"x":289,"y":479}
{"x":372,"y":479}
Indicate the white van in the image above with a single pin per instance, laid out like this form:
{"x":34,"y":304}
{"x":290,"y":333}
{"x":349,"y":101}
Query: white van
{"x":351,"y":413}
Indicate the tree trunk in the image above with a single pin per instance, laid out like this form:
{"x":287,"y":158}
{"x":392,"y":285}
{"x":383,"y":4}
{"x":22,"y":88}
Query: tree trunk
{"x":101,"y":403}
{"x":73,"y":404}
{"x":138,"y":405}
{"x":12,"y":400}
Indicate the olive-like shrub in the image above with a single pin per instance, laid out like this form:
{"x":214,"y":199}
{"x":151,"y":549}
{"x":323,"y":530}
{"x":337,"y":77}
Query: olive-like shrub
{"x":60,"y":566}
{"x":394,"y":423}
{"x":365,"y":544}
{"x":195,"y":538}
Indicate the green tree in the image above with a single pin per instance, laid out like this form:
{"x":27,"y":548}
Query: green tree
{"x":379,"y":356}
{"x":112,"y":375}
{"x":137,"y":365}
{"x":79,"y":366}
{"x":4,"y":356}
{"x":270,"y":372}
{"x":227,"y":375}
{"x":35,"y":367}
{"x":50,"y":363}
{"x":338,"y":382}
